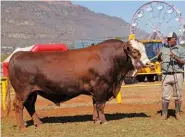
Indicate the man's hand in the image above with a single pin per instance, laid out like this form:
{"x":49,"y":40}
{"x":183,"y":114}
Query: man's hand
{"x":159,"y":56}
{"x":173,"y":56}
{"x":179,"y":60}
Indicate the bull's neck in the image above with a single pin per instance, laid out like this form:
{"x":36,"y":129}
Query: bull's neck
{"x":121,"y":56}
{"x":115,"y":53}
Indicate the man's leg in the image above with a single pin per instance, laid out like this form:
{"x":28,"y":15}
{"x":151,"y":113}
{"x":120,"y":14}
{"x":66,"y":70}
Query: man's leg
{"x":165,"y":105}
{"x":177,"y":94}
{"x":166,"y":88}
{"x":177,"y":109}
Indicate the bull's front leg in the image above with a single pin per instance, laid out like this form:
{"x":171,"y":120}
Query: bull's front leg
{"x":100,"y":109}
{"x":100,"y":96}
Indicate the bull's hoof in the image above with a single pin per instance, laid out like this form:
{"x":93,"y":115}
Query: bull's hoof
{"x":38,"y":124}
{"x":97,"y":121}
{"x":22,"y":129}
{"x":177,"y":116}
{"x":104,"y":123}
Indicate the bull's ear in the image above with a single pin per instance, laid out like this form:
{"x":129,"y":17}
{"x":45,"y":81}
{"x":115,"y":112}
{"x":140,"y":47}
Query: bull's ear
{"x":127,"y":46}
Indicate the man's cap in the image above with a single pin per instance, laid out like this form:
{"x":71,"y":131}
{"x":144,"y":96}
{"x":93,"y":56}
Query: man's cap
{"x":172,"y":35}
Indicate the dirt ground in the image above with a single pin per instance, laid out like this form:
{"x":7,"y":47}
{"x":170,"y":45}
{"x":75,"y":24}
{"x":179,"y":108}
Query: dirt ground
{"x":135,"y":100}
{"x":134,"y":97}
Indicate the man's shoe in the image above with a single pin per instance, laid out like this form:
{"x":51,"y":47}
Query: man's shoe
{"x":164,"y":117}
{"x":177,"y":116}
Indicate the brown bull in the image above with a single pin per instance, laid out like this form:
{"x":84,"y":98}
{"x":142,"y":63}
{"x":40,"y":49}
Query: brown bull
{"x":59,"y":76}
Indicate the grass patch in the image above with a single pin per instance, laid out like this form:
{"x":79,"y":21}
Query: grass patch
{"x":119,"y":125}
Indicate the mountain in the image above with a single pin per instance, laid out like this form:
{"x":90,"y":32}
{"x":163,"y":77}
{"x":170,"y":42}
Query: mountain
{"x":25,"y":23}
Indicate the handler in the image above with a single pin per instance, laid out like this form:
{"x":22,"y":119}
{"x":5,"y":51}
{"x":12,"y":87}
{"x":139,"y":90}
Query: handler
{"x":172,"y":57}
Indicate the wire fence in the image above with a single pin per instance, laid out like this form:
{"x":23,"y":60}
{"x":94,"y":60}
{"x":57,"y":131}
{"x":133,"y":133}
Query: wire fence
{"x":88,"y":42}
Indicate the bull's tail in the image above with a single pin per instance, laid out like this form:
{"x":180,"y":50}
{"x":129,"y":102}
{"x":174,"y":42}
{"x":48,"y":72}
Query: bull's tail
{"x":8,"y":98}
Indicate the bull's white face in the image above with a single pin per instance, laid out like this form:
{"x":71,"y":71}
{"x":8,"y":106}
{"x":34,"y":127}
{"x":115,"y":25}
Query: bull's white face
{"x":144,"y":58}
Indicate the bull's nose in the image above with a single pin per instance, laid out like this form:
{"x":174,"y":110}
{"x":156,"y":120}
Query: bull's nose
{"x":148,"y":62}
{"x":150,"y":65}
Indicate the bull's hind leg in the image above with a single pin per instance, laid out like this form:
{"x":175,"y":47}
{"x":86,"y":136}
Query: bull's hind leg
{"x":18,"y":106}
{"x":30,"y":106}
{"x":95,"y":113}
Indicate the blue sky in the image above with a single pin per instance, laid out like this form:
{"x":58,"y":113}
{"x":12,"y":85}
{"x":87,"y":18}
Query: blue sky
{"x":123,"y":9}
{"x":126,"y":10}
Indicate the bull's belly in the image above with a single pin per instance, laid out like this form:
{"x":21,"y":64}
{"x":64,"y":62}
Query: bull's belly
{"x":59,"y":93}
{"x":58,"y":98}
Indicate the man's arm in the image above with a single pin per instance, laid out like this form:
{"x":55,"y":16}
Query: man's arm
{"x":178,"y":59}
{"x":159,"y":56}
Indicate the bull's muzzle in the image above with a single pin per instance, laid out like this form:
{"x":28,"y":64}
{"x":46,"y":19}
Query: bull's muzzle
{"x":150,"y":65}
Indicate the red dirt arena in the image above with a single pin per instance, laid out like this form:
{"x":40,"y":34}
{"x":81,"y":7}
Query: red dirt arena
{"x":137,"y":101}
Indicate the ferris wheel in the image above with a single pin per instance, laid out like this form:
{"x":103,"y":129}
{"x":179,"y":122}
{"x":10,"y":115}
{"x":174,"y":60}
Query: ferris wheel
{"x":154,"y":20}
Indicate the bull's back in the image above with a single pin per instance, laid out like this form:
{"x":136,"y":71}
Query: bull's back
{"x":54,"y":66}
{"x":66,"y":68}
{"x":44,"y":71}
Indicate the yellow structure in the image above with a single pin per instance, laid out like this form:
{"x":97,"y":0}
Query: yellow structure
{"x":150,"y":41}
{"x":155,"y":70}
{"x":3,"y":90}
{"x":131,"y":37}
{"x":119,"y":98}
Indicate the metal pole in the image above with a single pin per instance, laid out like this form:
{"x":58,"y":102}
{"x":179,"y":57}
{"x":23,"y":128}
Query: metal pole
{"x":184,"y":73}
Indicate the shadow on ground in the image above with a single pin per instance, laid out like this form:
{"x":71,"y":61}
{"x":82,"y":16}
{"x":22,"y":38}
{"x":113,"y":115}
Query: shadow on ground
{"x":85,"y":118}
{"x":171,"y":112}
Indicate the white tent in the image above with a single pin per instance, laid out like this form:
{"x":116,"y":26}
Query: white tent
{"x":16,"y":50}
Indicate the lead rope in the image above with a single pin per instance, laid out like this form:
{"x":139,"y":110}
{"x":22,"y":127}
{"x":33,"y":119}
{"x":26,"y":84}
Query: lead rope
{"x":175,"y":76}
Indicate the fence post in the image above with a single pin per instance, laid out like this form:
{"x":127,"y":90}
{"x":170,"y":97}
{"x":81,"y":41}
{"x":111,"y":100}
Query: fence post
{"x":4,"y":85}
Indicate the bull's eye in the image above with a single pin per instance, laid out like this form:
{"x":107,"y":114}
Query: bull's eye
{"x":134,"y":51}
{"x":136,"y":54}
